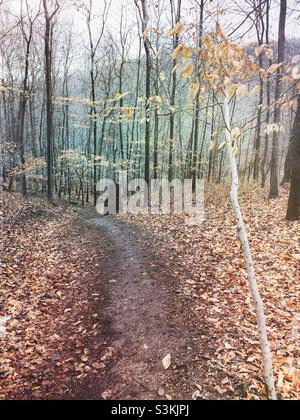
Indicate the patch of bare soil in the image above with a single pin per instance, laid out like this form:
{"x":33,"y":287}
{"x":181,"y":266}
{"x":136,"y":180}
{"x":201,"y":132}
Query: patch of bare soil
{"x":149,"y":317}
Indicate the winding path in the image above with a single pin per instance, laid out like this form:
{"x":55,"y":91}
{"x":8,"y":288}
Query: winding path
{"x":146,"y":317}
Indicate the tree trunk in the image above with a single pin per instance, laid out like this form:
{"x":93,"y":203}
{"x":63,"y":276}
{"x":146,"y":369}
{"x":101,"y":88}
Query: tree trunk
{"x":197,"y":105}
{"x":144,"y":16}
{"x":22,"y":112}
{"x":260,"y":29}
{"x":268,"y":91}
{"x":49,"y":110}
{"x":293,"y":212}
{"x":260,"y":316}
{"x":173,"y":95}
{"x":148,"y":94}
{"x":288,"y":164}
{"x":274,"y":180}
{"x":258,"y":128}
{"x":95,"y":130}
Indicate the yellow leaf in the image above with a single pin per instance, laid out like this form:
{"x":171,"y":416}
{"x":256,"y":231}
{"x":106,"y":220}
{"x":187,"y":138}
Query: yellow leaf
{"x":182,"y":50}
{"x":259,"y":50}
{"x":208,"y":42}
{"x":296,"y":73}
{"x":274,"y":68}
{"x":256,"y":90}
{"x":235,"y":133}
{"x":220,"y":33}
{"x":156,"y":99}
{"x":129,"y":112}
{"x":121,"y":95}
{"x":269,"y":53}
{"x":176,"y":67}
{"x":231,"y":89}
{"x":176,"y":30}
{"x":187,"y":53}
{"x":287,"y":79}
{"x":212,"y":146}
{"x":222,"y":145}
{"x":188,"y":71}
{"x":146,"y":33}
{"x":167,"y":361}
{"x":162,"y":76}
{"x":194,"y":89}
{"x":177,"y":52}
{"x":242,"y":91}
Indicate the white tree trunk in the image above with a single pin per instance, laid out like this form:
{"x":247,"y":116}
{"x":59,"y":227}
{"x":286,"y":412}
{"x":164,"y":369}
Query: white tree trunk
{"x":260,"y":315}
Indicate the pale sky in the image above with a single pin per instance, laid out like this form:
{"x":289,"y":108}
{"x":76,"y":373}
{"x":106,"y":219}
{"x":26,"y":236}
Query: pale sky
{"x":230,"y":20}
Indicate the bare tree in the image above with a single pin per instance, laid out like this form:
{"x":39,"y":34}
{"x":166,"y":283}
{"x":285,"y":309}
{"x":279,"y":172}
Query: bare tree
{"x":49,"y":16}
{"x":197,"y":101}
{"x":142,"y":6}
{"x":176,"y":17}
{"x":274,"y":180}
{"x":260,"y":315}
{"x":268,"y":94}
{"x":260,"y":32}
{"x":293,"y":212}
{"x":27,"y":36}
{"x":94,"y":43}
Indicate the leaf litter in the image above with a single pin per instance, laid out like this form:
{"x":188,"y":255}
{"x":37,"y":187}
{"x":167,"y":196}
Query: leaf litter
{"x":51,"y":323}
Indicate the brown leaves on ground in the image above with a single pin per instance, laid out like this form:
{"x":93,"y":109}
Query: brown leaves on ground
{"x":209,"y":262}
{"x":51,"y":298}
{"x":51,"y":343}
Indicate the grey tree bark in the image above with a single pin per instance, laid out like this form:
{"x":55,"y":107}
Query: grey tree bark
{"x":293,"y":212}
{"x":274,"y":174}
{"x":259,"y":309}
{"x":49,"y":107}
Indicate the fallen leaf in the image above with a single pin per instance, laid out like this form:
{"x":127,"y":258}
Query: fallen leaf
{"x":167,"y":361}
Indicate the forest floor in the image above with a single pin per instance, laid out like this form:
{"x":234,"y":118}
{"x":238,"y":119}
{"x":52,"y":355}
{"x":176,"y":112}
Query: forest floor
{"x":97,"y":308}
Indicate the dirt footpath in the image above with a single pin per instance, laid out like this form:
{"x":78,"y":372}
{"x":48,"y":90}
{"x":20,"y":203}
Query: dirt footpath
{"x":147,"y":318}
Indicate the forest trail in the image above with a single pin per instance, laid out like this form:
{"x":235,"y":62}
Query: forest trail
{"x":146,"y":318}
{"x":100,"y":301}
